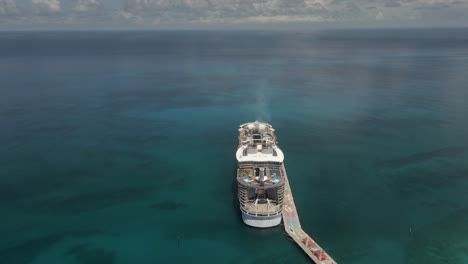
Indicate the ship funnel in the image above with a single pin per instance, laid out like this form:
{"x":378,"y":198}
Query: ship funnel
{"x":262,"y":175}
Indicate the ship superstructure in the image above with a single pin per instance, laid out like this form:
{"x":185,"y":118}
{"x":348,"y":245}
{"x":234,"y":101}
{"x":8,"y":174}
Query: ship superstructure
{"x":264,"y":192}
{"x":259,"y":175}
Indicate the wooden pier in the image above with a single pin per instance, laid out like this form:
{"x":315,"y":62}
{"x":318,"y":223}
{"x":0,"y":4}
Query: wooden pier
{"x":294,"y":229}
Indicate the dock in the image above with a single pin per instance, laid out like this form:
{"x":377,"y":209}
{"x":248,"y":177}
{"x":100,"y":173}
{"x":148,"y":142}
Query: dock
{"x":293,"y":228}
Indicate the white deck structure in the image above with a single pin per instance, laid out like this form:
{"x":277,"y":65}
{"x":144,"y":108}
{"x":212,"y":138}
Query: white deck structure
{"x":264,"y":192}
{"x":257,"y":143}
{"x":260,"y":183}
{"x":243,"y":155}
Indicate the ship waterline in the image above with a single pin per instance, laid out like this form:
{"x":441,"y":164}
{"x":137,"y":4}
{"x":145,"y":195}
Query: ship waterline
{"x":259,"y":175}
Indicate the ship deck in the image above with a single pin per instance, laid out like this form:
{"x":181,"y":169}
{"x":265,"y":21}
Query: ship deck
{"x":246,"y":176}
{"x":293,"y":228}
{"x":262,"y":209}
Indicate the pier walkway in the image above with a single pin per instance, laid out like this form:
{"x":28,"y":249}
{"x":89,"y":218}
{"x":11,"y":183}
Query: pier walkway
{"x":294,"y":229}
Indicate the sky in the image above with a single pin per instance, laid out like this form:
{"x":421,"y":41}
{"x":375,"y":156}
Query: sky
{"x":230,"y":14}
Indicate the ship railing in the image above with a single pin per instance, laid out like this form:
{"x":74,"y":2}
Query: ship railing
{"x":273,"y":210}
{"x":261,"y":214}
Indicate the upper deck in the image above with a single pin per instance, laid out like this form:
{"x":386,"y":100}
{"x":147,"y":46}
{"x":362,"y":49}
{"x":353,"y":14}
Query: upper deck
{"x":265,"y":177}
{"x":257,"y":143}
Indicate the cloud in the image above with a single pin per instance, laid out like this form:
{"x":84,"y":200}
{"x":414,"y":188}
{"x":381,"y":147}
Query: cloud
{"x":275,"y":11}
{"x":220,"y":13}
{"x":229,"y":11}
{"x":280,"y":19}
{"x":7,"y":7}
{"x":46,"y":6}
{"x":285,"y":11}
{"x":380,"y":16}
{"x":129,"y":17}
{"x":392,"y":4}
{"x":85,"y":5}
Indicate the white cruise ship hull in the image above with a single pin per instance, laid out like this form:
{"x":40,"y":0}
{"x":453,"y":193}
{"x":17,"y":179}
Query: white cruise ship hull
{"x":260,"y":178}
{"x":261,"y":221}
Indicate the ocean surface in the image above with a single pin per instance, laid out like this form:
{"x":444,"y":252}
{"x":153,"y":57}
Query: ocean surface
{"x":118,"y":147}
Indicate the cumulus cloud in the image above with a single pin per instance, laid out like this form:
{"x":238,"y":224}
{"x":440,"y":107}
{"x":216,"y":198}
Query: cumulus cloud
{"x":283,"y":11}
{"x":129,"y":17}
{"x":280,"y":19}
{"x":380,"y":16}
{"x":7,"y":7}
{"x":227,"y":11}
{"x":188,"y":13}
{"x":84,"y":5}
{"x":46,"y":6}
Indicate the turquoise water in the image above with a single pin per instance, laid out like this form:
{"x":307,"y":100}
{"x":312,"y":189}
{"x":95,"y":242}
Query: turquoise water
{"x":118,"y":147}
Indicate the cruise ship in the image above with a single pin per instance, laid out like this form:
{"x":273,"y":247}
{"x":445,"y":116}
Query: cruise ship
{"x":260,"y":176}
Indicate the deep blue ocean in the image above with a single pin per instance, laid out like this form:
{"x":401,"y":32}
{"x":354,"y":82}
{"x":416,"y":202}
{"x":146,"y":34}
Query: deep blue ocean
{"x":119,"y":147}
